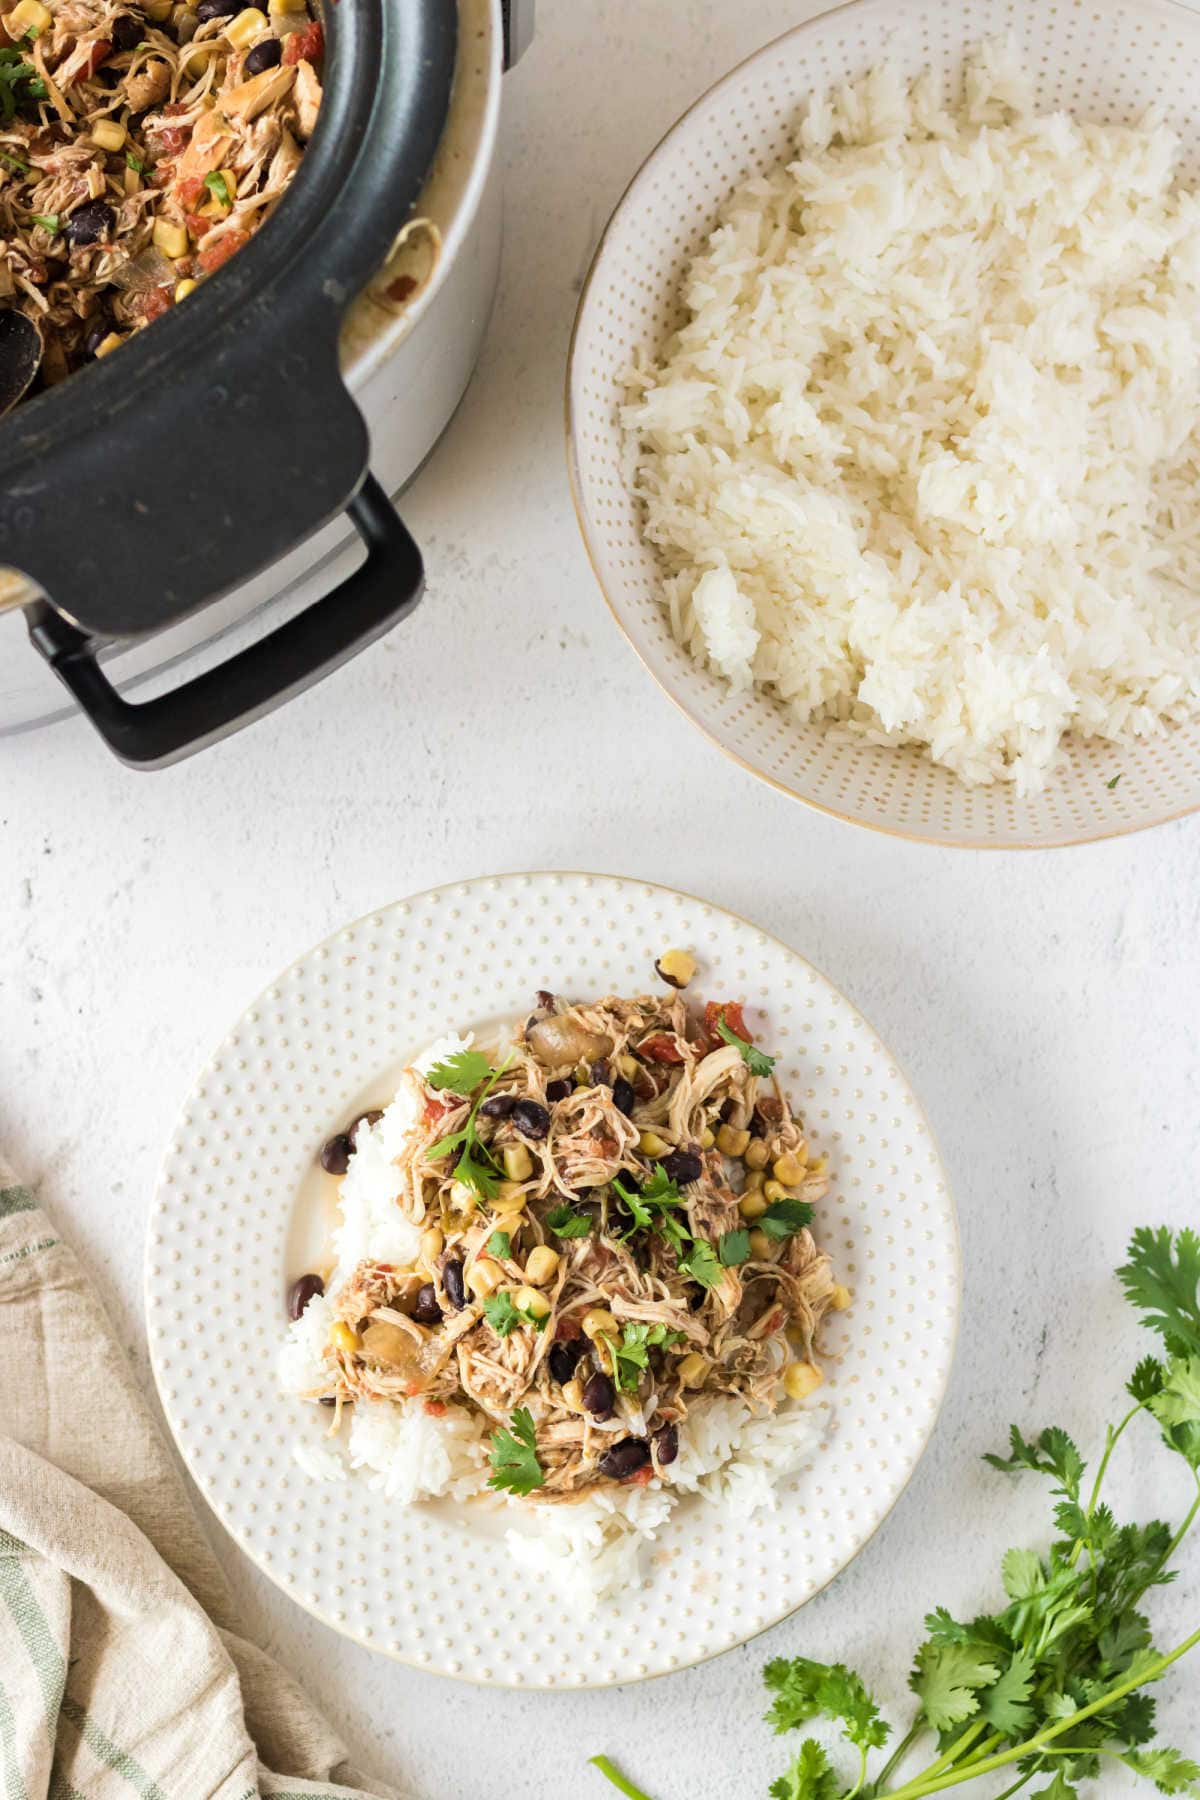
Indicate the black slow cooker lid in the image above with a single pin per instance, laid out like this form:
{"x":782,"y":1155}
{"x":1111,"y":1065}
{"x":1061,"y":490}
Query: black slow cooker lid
{"x":159,"y":478}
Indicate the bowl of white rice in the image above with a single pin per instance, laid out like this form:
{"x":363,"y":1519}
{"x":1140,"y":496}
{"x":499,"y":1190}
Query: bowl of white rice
{"x":884,"y":417}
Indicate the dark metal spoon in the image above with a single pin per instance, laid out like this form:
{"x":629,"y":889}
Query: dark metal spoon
{"x":20,"y":356}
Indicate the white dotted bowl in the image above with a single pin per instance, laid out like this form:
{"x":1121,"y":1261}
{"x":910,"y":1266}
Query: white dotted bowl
{"x":240,"y":1207}
{"x":1104,"y":59}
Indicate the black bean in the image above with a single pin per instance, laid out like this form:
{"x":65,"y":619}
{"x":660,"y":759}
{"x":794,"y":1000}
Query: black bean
{"x":625,"y":1458}
{"x":546,"y":1002}
{"x":624,"y":1097}
{"x":598,"y":1396}
{"x":666,"y":1444}
{"x":564,"y":1358}
{"x":601,"y":1073}
{"x":426,"y":1310}
{"x":452,"y":1281}
{"x":301,"y":1292}
{"x":127,"y":32}
{"x":217,"y":9}
{"x":265,"y":55}
{"x":531,"y":1119}
{"x":335,"y":1154}
{"x":368,"y":1119}
{"x":498,"y":1106}
{"x":96,"y":336}
{"x":331,"y":1400}
{"x":89,"y":223}
{"x":558,"y":1090}
{"x":683,"y":1166}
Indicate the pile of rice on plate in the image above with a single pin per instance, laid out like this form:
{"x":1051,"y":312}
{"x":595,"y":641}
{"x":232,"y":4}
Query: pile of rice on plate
{"x":725,"y":1449}
{"x":922,"y":462}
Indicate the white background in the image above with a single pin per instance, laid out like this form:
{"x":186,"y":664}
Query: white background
{"x":1044,"y":1005}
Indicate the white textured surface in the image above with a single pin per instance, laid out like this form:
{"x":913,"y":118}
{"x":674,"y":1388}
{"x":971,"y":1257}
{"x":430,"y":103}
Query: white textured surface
{"x":1043,"y":1005}
{"x":238,"y":1190}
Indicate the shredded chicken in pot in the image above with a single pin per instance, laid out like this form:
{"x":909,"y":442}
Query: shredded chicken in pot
{"x":615,"y":1221}
{"x":141,"y":146}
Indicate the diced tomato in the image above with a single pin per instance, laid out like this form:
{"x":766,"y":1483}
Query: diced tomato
{"x":661,"y":1049}
{"x":436,"y":1409}
{"x":189,"y":190}
{"x":219,"y":253}
{"x":567,"y":1329}
{"x":731,"y":1012}
{"x":154,"y":304}
{"x":100,"y":52}
{"x":197,"y":224}
{"x":171,"y":140}
{"x":305,"y":46}
{"x":436,"y":1107}
{"x":173,"y":108}
{"x":641,"y":1476}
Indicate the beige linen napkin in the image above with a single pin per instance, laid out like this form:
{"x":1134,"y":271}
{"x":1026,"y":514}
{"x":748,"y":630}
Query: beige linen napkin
{"x":120,"y":1674}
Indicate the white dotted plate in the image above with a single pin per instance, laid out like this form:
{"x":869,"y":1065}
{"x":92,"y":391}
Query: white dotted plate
{"x":240,"y":1207}
{"x":1102,"y":59}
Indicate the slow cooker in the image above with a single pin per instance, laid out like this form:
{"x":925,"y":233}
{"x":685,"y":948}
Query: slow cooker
{"x":182,"y":526}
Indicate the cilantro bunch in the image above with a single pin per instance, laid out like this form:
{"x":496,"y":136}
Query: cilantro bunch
{"x":1052,"y":1687}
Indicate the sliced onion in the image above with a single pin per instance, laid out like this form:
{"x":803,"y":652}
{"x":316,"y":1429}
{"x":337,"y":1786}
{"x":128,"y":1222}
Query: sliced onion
{"x":149,"y":269}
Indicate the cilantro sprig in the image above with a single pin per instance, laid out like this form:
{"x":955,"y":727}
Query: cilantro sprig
{"x":658,"y":1207}
{"x":1051,"y":1687}
{"x":565,"y":1222}
{"x":505,"y":1316}
{"x":514,"y":1458}
{"x":630,"y":1353}
{"x":461,"y":1074}
{"x":19,"y":84}
{"x":757,"y":1061}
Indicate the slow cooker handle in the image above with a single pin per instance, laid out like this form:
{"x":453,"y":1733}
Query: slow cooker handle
{"x":154,"y":733}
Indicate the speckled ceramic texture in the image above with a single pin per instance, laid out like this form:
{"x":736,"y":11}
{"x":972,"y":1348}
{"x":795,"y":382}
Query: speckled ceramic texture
{"x":1102,"y":59}
{"x":233,"y":1209}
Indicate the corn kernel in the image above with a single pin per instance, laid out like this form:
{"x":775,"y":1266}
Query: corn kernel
{"x":731,"y":1142}
{"x":541,"y":1265}
{"x":112,"y":342}
{"x":247,"y":25}
{"x":171,"y":239}
{"x":839,"y":1300}
{"x":344,"y":1337}
{"x":484,"y":1277}
{"x":628,"y":1066}
{"x":528,"y":1300}
{"x":572,"y":1393}
{"x":289,"y":6}
{"x":598,"y":1322}
{"x":707,"y":1139}
{"x":158,"y":10}
{"x":756,"y":1154}
{"x":800,"y":1379}
{"x":109,"y":134}
{"x":518,"y":1164}
{"x":760,"y":1245}
{"x":692,"y":1369}
{"x":433,"y":1241}
{"x":753,"y":1204}
{"x":650,"y":1144}
{"x":675,"y":967}
{"x":28,"y":15}
{"x":195,"y":58}
{"x":788,"y":1169}
{"x":775,"y":1190}
{"x":510,"y":1198}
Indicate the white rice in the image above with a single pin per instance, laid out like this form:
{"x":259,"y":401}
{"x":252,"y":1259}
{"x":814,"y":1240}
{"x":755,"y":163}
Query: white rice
{"x":923,"y":460}
{"x":590,"y":1548}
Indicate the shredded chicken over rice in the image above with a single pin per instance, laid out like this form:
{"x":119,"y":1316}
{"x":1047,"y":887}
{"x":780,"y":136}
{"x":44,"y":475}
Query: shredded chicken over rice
{"x":615,"y":1225}
{"x":141,"y":146}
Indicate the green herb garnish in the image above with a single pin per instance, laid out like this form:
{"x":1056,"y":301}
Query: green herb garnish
{"x":565,"y":1222}
{"x":701,"y":1264}
{"x":733,"y":1249}
{"x":514,"y":1460}
{"x":499,"y":1244}
{"x":659,"y":1194}
{"x":505,"y":1316}
{"x":1052,"y":1686}
{"x":784,"y":1218}
{"x":476,"y":1166}
{"x":14,"y":163}
{"x":631,"y":1351}
{"x":135,"y":162}
{"x":757,"y":1061}
{"x":1110,"y":785}
{"x":219,"y":187}
{"x":16,"y":83}
{"x":48,"y":221}
{"x":460,"y":1073}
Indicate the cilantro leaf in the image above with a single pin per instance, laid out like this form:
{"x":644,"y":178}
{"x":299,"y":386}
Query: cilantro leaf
{"x":460,"y":1073}
{"x":808,"y":1690}
{"x":1053,"y":1453}
{"x":733,"y":1249}
{"x":482,"y":1176}
{"x":1059,"y":1788}
{"x":219,"y":188}
{"x":1179,"y":1401}
{"x":631,"y":1351}
{"x":757,"y":1061}
{"x":701,"y":1264}
{"x":1111,"y":785}
{"x":500,"y":1244}
{"x":1146,"y":1380}
{"x":135,"y":163}
{"x":1022,"y":1574}
{"x":1169,"y":1770}
{"x":1162,"y":1280}
{"x":1006,"y":1704}
{"x":784,"y":1218}
{"x":650,"y":1205}
{"x":565,"y":1222}
{"x":947,"y":1679}
{"x":810,"y":1776}
{"x":501,"y":1313}
{"x":48,"y":221}
{"x":514,"y":1460}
